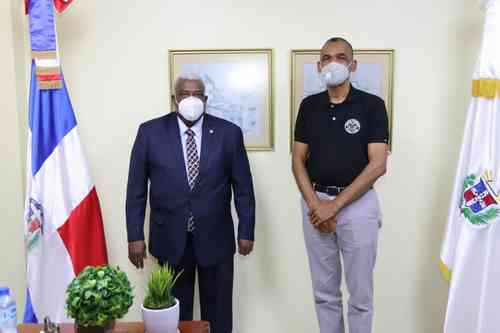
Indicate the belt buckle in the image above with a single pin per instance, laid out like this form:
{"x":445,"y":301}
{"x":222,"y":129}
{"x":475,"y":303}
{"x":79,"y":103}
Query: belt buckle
{"x":335,"y":190}
{"x":330,"y":190}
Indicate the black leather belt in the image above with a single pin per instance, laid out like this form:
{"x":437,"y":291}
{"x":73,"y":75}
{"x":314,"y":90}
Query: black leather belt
{"x":330,"y":190}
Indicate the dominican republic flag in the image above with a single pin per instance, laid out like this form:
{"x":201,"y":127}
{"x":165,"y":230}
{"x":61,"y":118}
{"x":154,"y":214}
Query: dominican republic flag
{"x":63,"y":223}
{"x":479,"y":196}
{"x":470,"y":252}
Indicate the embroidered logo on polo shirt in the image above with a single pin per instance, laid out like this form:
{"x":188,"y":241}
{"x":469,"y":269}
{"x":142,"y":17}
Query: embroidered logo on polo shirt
{"x":352,"y":126}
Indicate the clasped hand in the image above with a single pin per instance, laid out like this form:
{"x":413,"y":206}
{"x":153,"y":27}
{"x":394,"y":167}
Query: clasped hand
{"x":323,"y":215}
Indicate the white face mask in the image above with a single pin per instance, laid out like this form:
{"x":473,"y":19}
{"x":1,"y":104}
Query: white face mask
{"x":334,"y":74}
{"x":191,"y":108}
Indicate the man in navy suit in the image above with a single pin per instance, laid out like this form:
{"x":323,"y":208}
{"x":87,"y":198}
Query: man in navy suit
{"x":192,"y":162}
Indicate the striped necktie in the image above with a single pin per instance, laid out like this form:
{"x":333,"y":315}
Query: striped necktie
{"x":193,"y":164}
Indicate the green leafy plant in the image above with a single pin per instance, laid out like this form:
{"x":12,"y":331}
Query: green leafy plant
{"x":98,"y":295}
{"x":159,"y":290}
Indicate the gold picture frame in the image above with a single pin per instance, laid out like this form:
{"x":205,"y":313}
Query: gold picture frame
{"x":374,"y":74}
{"x":238,"y":85}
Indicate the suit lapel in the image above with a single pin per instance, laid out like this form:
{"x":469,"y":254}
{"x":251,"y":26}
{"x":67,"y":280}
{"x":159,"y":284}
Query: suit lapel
{"x":207,"y":142}
{"x":176,"y":148}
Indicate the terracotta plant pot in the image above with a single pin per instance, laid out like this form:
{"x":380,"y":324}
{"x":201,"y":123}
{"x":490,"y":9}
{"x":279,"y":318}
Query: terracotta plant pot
{"x":108,"y":328}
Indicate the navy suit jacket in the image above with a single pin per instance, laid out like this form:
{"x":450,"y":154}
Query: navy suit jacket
{"x":157,"y":162}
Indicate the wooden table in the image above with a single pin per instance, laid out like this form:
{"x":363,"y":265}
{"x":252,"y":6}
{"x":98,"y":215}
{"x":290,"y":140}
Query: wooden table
{"x":125,"y":327}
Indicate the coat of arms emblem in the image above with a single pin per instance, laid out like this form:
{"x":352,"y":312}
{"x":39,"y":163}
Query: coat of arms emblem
{"x":34,"y":224}
{"x":480,"y":202}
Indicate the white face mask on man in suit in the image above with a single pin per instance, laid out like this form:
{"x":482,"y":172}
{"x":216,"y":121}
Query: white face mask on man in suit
{"x":191,"y":108}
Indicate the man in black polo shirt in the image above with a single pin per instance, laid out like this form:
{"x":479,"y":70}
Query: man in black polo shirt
{"x":340,"y":150}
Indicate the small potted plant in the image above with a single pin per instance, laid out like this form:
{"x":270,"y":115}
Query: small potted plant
{"x":97,"y":297}
{"x":160,"y":310}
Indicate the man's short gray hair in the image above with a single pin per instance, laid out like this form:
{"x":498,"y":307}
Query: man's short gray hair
{"x":188,"y":77}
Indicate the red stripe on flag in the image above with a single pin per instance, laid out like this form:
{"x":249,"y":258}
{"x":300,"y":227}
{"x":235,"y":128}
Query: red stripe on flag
{"x":62,"y":4}
{"x":49,"y":77}
{"x":83,"y":234}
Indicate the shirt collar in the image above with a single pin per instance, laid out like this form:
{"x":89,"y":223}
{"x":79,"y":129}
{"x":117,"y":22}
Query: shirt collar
{"x":352,"y":96}
{"x":196,"y":128}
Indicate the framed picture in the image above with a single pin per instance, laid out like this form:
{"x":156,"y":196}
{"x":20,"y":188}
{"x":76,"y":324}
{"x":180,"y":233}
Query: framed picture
{"x":238,"y":85}
{"x":374,"y":75}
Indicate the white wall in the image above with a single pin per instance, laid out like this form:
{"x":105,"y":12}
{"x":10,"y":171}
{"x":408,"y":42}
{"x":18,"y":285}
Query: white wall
{"x":114,"y":55}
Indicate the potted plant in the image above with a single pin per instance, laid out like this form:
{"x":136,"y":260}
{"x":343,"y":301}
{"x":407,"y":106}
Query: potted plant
{"x":97,"y":297}
{"x":160,"y":310}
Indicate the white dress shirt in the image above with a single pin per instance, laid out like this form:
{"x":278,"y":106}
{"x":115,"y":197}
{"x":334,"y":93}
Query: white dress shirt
{"x":198,"y":131}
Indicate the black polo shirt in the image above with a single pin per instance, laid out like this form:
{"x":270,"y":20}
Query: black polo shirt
{"x":338,"y":135}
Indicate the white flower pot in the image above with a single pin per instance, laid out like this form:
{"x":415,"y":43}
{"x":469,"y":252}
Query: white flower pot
{"x":161,"y":321}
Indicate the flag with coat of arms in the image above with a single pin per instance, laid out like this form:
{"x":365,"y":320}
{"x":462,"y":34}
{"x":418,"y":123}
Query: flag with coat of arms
{"x":63,"y":224}
{"x":470,"y":252}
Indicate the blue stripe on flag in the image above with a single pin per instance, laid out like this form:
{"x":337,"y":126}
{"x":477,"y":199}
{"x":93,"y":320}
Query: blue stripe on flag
{"x":29,"y":313}
{"x":42,"y":25}
{"x":51,"y":117}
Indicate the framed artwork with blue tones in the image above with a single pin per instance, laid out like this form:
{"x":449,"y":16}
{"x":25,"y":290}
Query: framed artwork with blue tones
{"x":238,"y":84}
